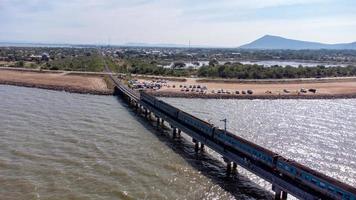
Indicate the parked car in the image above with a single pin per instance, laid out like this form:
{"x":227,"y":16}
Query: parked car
{"x":312,"y":90}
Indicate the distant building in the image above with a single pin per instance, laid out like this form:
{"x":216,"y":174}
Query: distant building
{"x":45,"y":57}
{"x":155,"y":52}
{"x":236,"y":54}
{"x":35,"y":58}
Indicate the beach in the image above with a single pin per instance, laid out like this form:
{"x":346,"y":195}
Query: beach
{"x":95,"y":83}
{"x":272,"y":89}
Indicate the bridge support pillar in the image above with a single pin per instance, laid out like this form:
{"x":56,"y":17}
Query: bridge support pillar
{"x":174,"y":132}
{"x":228,"y":165}
{"x":158,"y":120}
{"x":196,"y":145}
{"x":284,"y":195}
{"x":179,"y":132}
{"x":202,"y":147}
{"x":279,"y":193}
{"x":137,"y":107}
{"x":146,"y":112}
{"x":234,"y":167}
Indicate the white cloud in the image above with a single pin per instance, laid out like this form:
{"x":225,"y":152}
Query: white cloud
{"x":247,"y":5}
{"x":161,"y":21}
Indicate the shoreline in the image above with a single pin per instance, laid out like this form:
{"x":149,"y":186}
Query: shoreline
{"x":329,"y":88}
{"x":56,"y":88}
{"x":99,"y":84}
{"x":73,"y":83}
{"x":249,"y":97}
{"x":181,"y":95}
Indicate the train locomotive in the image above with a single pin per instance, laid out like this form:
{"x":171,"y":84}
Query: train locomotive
{"x":254,"y":153}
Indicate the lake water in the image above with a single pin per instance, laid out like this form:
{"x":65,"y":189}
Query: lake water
{"x":57,"y":145}
{"x":320,"y":134}
{"x":269,"y":63}
{"x":266,"y":63}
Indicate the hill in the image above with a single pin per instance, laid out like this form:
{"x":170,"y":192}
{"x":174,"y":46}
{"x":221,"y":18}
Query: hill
{"x":276,"y":42}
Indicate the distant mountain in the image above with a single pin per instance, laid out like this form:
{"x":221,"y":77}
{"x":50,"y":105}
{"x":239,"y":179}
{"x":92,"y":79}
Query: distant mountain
{"x":276,"y":42}
{"x":351,"y":45}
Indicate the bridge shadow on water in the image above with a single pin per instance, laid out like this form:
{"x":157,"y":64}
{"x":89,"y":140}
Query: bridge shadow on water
{"x":238,"y":185}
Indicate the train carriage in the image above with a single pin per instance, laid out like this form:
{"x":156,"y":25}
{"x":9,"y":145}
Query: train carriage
{"x":148,"y":98}
{"x":254,"y":151}
{"x":166,"y":108}
{"x":196,"y":123}
{"x":316,"y":180}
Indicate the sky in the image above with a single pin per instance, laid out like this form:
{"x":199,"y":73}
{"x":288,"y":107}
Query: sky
{"x":221,"y":23}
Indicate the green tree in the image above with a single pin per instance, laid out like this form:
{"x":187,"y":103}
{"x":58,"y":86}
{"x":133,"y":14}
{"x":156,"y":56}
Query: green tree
{"x":20,"y":63}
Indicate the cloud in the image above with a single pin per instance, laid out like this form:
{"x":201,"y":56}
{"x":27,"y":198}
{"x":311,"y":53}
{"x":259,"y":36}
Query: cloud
{"x":209,"y":22}
{"x":252,"y":4}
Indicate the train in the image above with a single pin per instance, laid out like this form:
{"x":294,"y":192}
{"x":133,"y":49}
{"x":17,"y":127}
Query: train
{"x":254,"y":153}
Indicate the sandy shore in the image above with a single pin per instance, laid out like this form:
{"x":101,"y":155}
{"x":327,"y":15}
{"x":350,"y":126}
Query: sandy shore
{"x":333,"y":88}
{"x":56,"y":81}
{"x":95,"y":84}
{"x":250,"y":97}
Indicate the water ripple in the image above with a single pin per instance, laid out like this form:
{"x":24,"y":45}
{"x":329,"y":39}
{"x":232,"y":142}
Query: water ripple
{"x":56,"y":145}
{"x":318,"y":133}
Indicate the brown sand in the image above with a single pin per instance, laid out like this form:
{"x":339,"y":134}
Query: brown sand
{"x":325,"y":89}
{"x":56,"y":81}
{"x":95,"y":84}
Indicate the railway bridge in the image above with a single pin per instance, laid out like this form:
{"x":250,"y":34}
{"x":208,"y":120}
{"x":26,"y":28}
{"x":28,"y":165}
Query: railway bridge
{"x":286,"y":176}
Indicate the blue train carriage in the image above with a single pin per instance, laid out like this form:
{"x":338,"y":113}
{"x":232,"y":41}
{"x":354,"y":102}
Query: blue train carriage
{"x":254,"y":151}
{"x":197,"y":124}
{"x":166,"y":108}
{"x":147,"y":98}
{"x":320,"y":182}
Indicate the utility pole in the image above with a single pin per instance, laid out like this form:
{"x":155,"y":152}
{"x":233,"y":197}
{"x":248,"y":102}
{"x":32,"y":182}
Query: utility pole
{"x":225,"y":121}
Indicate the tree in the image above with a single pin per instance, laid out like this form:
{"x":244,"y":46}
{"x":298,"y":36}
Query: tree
{"x":213,"y":62}
{"x":20,"y":63}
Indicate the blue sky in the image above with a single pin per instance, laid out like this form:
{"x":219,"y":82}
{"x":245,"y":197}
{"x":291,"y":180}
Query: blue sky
{"x":204,"y":22}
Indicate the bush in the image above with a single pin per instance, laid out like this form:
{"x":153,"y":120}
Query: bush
{"x":54,"y":68}
{"x":20,"y":64}
{"x":241,"y":71}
